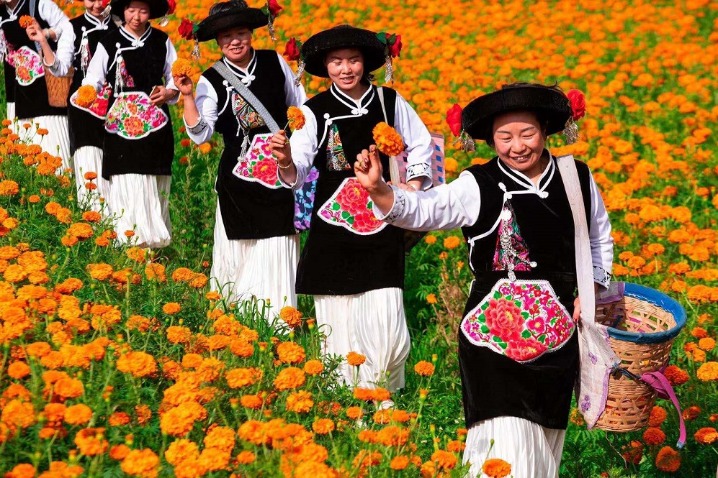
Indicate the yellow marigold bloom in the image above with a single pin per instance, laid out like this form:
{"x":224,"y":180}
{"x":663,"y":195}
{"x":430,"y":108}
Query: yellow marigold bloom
{"x":143,"y":463}
{"x":138,"y":364}
{"x":290,"y":352}
{"x":91,"y":441}
{"x":707,"y":344}
{"x":452,"y":242}
{"x":243,"y":377}
{"x":291,"y":316}
{"x":289,"y":378}
{"x":86,"y":95}
{"x":181,"y":450}
{"x":387,"y":139}
{"x":323,"y":426}
{"x":171,"y":308}
{"x":178,"y":335}
{"x":313,"y":367}
{"x":300,"y":402}
{"x":18,"y":370}
{"x":496,"y":468}
{"x":355,"y":359}
{"x":424,"y":368}
{"x":181,"y":67}
{"x":296,"y":118}
{"x":431,"y":299}
{"x":708,"y":372}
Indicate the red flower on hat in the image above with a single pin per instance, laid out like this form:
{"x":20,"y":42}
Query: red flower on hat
{"x":173,"y":6}
{"x":395,"y":47}
{"x":186,"y":29}
{"x":274,"y":7}
{"x":578,"y":104}
{"x":105,"y":3}
{"x":453,"y":119}
{"x":291,"y":50}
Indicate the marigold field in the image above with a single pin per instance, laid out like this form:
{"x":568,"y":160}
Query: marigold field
{"x":121,"y":361}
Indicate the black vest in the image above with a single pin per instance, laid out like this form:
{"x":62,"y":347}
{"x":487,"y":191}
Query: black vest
{"x":493,"y":384}
{"x":250,"y":210}
{"x":336,"y":261}
{"x":31,"y":100}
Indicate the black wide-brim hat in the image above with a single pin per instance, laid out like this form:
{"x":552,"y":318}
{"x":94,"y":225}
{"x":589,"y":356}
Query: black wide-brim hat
{"x":210,"y":27}
{"x":549,"y":103}
{"x":158,"y":8}
{"x":315,"y":49}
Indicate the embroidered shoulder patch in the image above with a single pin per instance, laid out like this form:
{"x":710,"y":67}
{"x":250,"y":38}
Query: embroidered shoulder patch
{"x":511,"y":252}
{"x":247,"y":117}
{"x":336,"y":159}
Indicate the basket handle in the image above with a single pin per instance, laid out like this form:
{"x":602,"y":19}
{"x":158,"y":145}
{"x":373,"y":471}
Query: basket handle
{"x":658,"y":382}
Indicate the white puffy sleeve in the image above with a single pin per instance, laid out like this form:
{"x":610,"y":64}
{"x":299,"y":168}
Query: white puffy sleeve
{"x":206,"y":100}
{"x":418,"y":142}
{"x":600,"y":238}
{"x":304,"y":148}
{"x":58,"y":21}
{"x":294,"y":94}
{"x":97,"y":69}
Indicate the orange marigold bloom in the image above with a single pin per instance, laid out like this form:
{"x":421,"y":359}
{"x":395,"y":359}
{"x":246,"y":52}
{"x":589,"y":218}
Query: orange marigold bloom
{"x":18,"y":370}
{"x":119,"y":452}
{"x":691,"y":413}
{"x":654,"y":436}
{"x":99,"y":271}
{"x":254,"y":431}
{"x":143,"y":413}
{"x":253,"y":402}
{"x":291,"y":316}
{"x":658,"y":415}
{"x":18,"y":414}
{"x":399,"y":462}
{"x":181,"y":67}
{"x":452,"y":242}
{"x":91,"y":441}
{"x":355,"y":359}
{"x":424,"y":368}
{"x":143,"y":463}
{"x":496,"y":468}
{"x":290,"y":377}
{"x":24,"y":470}
{"x":322,"y":426}
{"x":180,"y":420}
{"x":181,"y":450}
{"x":706,"y":435}
{"x":243,"y":377}
{"x":354,"y":413}
{"x":69,"y":388}
{"x":315,"y":469}
{"x":244,"y":458}
{"x":290,"y":352}
{"x":136,"y":254}
{"x":676,"y":375}
{"x":300,"y":402}
{"x":708,"y":372}
{"x":699,"y":332}
{"x":313,"y":367}
{"x":77,"y":414}
{"x":296,"y":118}
{"x":9,"y":188}
{"x":62,"y":469}
{"x":668,"y":460}
{"x":178,"y":335}
{"x":118,"y":419}
{"x":138,"y":364}
{"x":387,"y":139}
{"x":706,"y":343}
{"x":171,"y":308}
{"x":444,"y":459}
{"x":86,"y":95}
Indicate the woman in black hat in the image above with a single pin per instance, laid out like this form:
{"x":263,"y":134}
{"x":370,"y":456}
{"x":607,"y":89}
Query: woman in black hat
{"x":351,"y":263}
{"x":518,"y":346}
{"x":86,"y":125}
{"x":135,"y":61}
{"x":256,"y":246}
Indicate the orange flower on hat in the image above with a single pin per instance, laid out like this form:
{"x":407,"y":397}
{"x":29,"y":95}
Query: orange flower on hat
{"x":387,"y":139}
{"x":296,"y":118}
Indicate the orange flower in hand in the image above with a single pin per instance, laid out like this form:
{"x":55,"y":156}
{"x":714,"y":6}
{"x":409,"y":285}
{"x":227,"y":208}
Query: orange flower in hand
{"x":25,"y":21}
{"x":296,"y":118}
{"x":181,"y":67}
{"x":387,"y":139}
{"x":86,"y":95}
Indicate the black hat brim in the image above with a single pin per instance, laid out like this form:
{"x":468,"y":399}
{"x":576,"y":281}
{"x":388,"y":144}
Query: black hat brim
{"x":210,"y":27}
{"x":158,"y":8}
{"x":316,"y":48}
{"x":551,"y":104}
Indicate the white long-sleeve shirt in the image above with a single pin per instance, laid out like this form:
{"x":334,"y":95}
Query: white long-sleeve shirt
{"x":458,"y":204}
{"x":207,"y":100}
{"x":305,"y":145}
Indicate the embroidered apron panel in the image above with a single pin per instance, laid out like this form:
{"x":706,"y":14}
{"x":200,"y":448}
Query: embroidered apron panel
{"x":259,"y":165}
{"x":133,"y":116}
{"x":522,"y":320}
{"x":28,"y":65}
{"x":350,"y":208}
{"x":247,"y":117}
{"x":98,"y":108}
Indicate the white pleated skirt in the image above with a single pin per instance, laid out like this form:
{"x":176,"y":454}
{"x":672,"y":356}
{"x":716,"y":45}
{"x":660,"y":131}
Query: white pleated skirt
{"x":55,"y":142}
{"x":10,"y":111}
{"x":89,"y":159}
{"x":140,"y":203}
{"x":373,"y":324}
{"x":530,"y":449}
{"x":264,"y":269}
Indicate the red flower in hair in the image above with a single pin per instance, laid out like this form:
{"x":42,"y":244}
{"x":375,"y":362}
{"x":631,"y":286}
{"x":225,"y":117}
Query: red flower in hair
{"x":186,"y":29}
{"x":274,"y":7}
{"x":105,"y":3}
{"x":173,"y":6}
{"x":578,"y":104}
{"x":291,"y":51}
{"x":453,"y":119}
{"x":395,"y":47}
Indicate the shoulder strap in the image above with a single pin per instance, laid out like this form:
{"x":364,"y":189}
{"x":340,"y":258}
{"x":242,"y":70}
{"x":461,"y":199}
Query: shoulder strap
{"x":33,"y":7}
{"x":380,"y":92}
{"x":247,"y":94}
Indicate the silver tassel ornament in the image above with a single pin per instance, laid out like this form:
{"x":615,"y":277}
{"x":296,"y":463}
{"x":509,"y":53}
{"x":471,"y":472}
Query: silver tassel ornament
{"x":300,"y":72}
{"x":84,"y":53}
{"x":195,"y":50}
{"x":467,"y":142}
{"x":3,"y":45}
{"x":119,"y":74}
{"x":389,"y":74}
{"x":570,"y":132}
{"x":272,"y":32}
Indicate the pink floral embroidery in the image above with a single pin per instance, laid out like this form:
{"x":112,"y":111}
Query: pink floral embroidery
{"x":258,"y":165}
{"x":98,"y":108}
{"x":133,"y":116}
{"x":521,"y":320}
{"x":28,"y":65}
{"x":350,"y":207}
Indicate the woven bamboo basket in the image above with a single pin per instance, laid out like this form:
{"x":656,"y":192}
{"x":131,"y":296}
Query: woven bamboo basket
{"x":58,"y":88}
{"x":641,"y":327}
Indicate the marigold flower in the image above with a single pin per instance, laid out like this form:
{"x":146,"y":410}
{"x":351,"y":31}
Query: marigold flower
{"x":654,"y":436}
{"x":18,"y":370}
{"x":296,"y":118}
{"x":243,"y":377}
{"x":424,"y":368}
{"x":706,"y":435}
{"x":9,"y":188}
{"x":181,"y":450}
{"x":91,"y":441}
{"x":18,"y":414}
{"x":387,"y":139}
{"x":25,"y":21}
{"x":181,"y":67}
{"x":254,"y":432}
{"x":253,"y":402}
{"x":171,"y":308}
{"x":69,"y":388}
{"x":708,"y":372}
{"x":706,"y":343}
{"x":633,"y":452}
{"x":668,"y":460}
{"x":77,"y":414}
{"x":291,"y":316}
{"x":143,"y":463}
{"x":323,"y":426}
{"x":86,"y":95}
{"x":496,"y":468}
{"x":691,"y":413}
{"x":245,"y":458}
{"x":658,"y":415}
{"x":399,"y":462}
{"x":676,"y":375}
{"x":355,"y":359}
{"x":290,"y":377}
{"x":180,"y":420}
{"x":452,"y":242}
{"x":178,"y":335}
{"x":138,"y":364}
{"x":290,"y":352}
{"x":313,"y":367}
{"x":118,"y":419}
{"x":119,"y":452}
